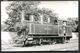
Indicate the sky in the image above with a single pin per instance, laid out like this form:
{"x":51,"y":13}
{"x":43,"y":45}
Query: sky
{"x":65,"y":9}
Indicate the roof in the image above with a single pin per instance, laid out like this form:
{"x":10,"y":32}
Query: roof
{"x":62,"y":19}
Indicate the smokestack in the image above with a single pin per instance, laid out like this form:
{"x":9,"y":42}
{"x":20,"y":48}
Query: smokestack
{"x":48,"y":19}
{"x":31,"y":18}
{"x":22,"y":19}
{"x":41,"y":16}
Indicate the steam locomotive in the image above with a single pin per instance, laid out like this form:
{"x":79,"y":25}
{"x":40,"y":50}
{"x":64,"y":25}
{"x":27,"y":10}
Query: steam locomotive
{"x":41,"y":31}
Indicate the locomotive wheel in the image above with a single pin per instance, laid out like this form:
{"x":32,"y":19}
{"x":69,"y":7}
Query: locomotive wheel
{"x":50,"y":42}
{"x":23,"y":44}
{"x":63,"y":40}
{"x":40,"y":42}
{"x":67,"y":41}
{"x":36,"y":41}
{"x":54,"y":42}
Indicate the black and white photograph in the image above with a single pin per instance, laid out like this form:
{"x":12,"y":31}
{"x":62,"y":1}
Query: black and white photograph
{"x":39,"y":26}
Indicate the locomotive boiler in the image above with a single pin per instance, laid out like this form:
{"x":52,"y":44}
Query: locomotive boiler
{"x":41,"y":31}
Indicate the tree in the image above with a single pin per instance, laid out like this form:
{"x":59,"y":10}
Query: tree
{"x":74,"y":24}
{"x":15,"y":9}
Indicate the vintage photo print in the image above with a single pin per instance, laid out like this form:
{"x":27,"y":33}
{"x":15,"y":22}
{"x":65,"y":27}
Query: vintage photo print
{"x":39,"y":26}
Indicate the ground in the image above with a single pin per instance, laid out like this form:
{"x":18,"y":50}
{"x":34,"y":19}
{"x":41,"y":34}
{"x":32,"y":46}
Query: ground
{"x":71,"y":46}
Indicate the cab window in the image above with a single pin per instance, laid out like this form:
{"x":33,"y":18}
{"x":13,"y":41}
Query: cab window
{"x":45,"y":19}
{"x":36,"y":18}
{"x":27,"y":17}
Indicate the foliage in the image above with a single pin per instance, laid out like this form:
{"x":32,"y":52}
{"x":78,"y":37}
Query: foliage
{"x":15,"y":8}
{"x":74,"y":24}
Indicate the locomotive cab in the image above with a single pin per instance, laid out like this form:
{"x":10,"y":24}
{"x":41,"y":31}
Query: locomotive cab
{"x":65,"y":29}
